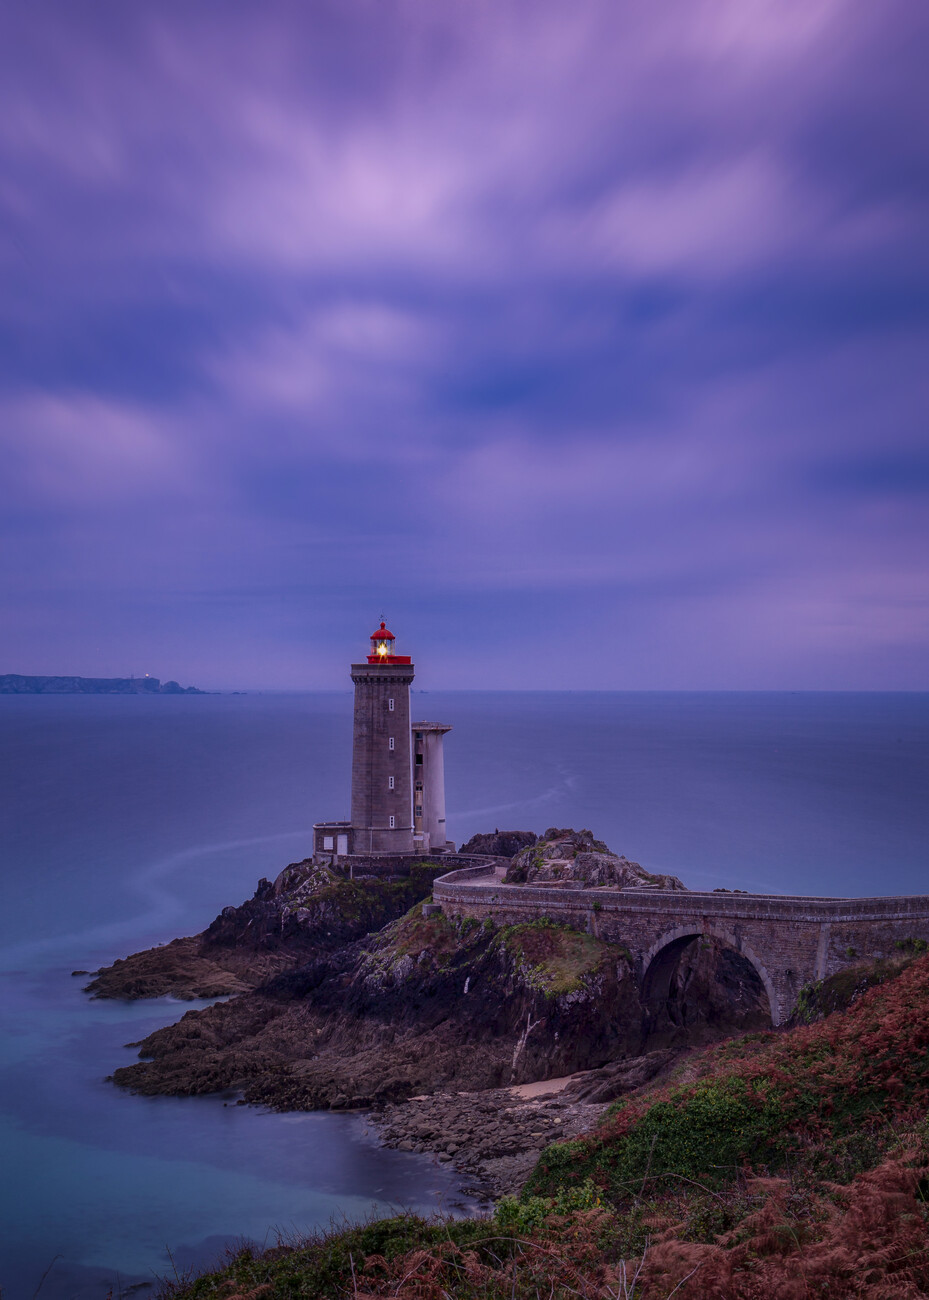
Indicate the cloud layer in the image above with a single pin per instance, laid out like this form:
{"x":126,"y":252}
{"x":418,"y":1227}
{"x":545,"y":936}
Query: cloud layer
{"x":599,"y":330}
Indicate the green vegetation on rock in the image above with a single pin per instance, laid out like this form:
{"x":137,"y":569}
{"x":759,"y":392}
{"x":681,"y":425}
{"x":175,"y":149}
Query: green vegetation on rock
{"x":554,"y":958}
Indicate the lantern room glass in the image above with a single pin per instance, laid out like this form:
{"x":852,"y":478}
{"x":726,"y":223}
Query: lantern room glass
{"x":382,"y":643}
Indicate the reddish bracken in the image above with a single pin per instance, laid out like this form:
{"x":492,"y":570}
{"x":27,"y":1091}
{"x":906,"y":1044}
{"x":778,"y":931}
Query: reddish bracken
{"x":868,"y":1239}
{"x":822,"y":1067}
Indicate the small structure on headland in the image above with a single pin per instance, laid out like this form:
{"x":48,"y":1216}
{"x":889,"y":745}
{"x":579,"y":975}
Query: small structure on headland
{"x":398,"y":768}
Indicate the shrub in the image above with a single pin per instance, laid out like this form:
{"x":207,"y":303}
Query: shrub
{"x":524,"y":1216}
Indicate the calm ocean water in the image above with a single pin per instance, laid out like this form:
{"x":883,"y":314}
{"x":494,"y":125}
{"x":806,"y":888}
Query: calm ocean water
{"x":127,"y":821}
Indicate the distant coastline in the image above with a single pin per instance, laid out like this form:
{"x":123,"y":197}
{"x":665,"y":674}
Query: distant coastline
{"x":18,"y":684}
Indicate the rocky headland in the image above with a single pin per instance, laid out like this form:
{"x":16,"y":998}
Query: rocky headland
{"x":307,"y":912}
{"x":347,"y":994}
{"x":20,"y":684}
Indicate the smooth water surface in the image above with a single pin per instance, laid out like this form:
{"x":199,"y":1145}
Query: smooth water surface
{"x":125,"y":821}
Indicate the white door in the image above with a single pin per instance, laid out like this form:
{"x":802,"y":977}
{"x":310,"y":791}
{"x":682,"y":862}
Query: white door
{"x":341,"y":844}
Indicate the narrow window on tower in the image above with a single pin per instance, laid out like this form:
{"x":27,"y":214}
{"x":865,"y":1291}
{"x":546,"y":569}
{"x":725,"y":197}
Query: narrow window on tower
{"x":390,"y":783}
{"x":393,"y":822}
{"x":390,"y":705}
{"x":390,"y":742}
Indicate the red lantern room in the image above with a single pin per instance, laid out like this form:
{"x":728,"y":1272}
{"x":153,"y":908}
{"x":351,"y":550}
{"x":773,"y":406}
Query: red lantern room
{"x":382,"y":648}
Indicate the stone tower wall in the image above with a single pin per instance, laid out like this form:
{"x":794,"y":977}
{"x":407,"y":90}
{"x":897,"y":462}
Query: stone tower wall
{"x":374,"y":762}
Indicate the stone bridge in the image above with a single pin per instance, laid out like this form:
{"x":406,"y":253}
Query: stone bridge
{"x":790,"y":941}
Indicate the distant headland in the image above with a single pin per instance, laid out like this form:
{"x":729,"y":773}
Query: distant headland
{"x":17,"y":684}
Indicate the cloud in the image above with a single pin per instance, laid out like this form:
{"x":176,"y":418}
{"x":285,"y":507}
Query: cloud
{"x":609,"y":309}
{"x":79,"y":449}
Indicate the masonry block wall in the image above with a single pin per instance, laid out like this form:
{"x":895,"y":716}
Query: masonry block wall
{"x":382,"y":792}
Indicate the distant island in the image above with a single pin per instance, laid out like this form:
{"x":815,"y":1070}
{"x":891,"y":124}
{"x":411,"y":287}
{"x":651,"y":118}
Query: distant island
{"x":17,"y":684}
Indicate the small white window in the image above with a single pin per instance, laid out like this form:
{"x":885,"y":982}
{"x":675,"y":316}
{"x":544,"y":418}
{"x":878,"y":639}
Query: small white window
{"x":390,"y":742}
{"x":390,"y":705}
{"x":327,"y":842}
{"x":393,"y":822}
{"x":390,"y":783}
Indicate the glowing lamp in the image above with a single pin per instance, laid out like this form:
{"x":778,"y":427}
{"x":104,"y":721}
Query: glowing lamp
{"x":382,"y":643}
{"x":382,"y":648}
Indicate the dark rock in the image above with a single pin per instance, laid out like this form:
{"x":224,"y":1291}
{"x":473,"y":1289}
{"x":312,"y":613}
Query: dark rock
{"x":620,"y":1077}
{"x":307,"y":911}
{"x":384,"y":1018}
{"x":501,"y":844}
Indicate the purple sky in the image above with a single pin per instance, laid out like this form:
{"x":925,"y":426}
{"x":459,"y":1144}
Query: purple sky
{"x":585,"y":341}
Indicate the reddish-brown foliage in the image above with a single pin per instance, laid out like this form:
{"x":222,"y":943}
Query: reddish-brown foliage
{"x":870,"y":1240}
{"x":876,"y":1052}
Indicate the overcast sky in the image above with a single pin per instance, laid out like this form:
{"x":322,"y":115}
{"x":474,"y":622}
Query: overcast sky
{"x":586,"y":342}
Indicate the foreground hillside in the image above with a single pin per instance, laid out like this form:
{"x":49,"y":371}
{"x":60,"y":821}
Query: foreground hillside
{"x":772,"y":1167}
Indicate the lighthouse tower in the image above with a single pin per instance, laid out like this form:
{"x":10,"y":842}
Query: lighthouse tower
{"x":382,"y":786}
{"x":398,"y":774}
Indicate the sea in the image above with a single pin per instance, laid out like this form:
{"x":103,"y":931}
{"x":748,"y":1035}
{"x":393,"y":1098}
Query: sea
{"x":126,"y":821}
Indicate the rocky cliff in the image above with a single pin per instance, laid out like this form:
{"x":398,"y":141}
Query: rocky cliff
{"x":306,"y":912}
{"x":423,"y":1005}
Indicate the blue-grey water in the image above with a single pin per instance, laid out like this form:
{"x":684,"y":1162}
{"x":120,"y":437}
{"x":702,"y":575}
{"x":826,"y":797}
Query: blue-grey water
{"x":127,"y":821}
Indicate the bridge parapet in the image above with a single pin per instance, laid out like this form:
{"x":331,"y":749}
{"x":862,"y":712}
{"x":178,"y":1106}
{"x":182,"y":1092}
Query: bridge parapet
{"x":789,"y":939}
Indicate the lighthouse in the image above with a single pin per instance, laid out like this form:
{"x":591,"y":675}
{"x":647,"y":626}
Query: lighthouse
{"x":382,"y":785}
{"x":398,"y":774}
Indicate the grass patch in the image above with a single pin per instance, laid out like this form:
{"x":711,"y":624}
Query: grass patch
{"x":321,"y":1265}
{"x":415,"y":934}
{"x":554,"y":958}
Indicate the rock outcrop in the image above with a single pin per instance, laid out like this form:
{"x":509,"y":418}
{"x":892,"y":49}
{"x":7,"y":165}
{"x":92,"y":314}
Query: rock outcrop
{"x":425,"y":1004}
{"x":501,"y":844}
{"x":306,"y":912}
{"x":493,"y":1138}
{"x":575,"y":860}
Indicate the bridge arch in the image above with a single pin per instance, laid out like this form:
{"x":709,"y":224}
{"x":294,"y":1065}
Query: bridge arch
{"x":660,"y":962}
